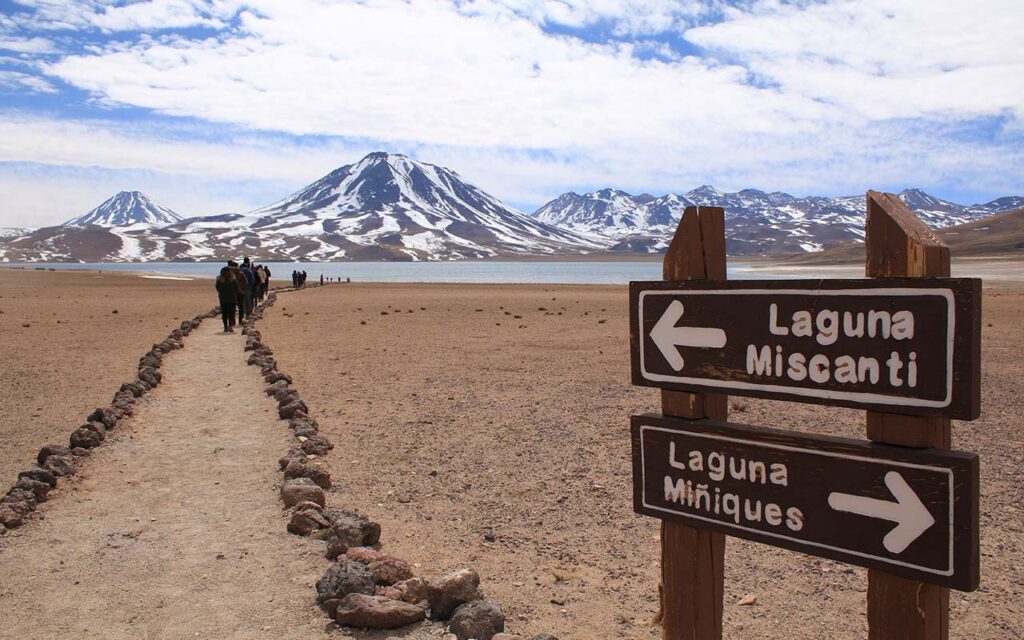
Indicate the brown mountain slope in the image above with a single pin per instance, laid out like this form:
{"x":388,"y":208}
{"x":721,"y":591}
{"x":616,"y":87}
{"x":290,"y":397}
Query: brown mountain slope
{"x":1001,"y":234}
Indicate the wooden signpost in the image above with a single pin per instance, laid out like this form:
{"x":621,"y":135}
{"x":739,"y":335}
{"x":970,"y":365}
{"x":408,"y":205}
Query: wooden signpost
{"x":906,"y":348}
{"x":856,"y":343}
{"x":910,"y":512}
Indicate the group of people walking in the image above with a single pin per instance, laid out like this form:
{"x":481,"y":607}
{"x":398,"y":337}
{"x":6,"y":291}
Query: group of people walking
{"x":240,"y":288}
{"x":299,"y":279}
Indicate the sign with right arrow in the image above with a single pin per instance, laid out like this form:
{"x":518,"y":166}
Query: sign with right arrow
{"x":910,"y":512}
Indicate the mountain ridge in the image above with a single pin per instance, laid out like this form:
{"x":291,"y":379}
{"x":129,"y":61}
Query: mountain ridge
{"x":383,"y":207}
{"x":757,"y":222}
{"x":390,"y":207}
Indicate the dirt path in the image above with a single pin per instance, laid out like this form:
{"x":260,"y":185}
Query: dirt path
{"x":174,"y":530}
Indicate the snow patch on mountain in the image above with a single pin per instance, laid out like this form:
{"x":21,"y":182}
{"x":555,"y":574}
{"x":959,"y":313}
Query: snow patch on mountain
{"x":757,"y":223}
{"x":126,"y":208}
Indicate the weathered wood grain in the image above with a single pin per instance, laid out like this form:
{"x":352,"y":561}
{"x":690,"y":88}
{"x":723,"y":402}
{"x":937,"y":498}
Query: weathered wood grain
{"x":901,"y":245}
{"x":693,"y":560}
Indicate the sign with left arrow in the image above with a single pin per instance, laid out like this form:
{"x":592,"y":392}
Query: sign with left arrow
{"x":910,"y":512}
{"x":907,"y":346}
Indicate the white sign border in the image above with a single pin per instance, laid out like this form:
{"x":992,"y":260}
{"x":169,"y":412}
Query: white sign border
{"x":948,"y":472}
{"x":826,"y":394}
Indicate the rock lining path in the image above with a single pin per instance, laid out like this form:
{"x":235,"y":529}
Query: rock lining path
{"x":174,"y":529}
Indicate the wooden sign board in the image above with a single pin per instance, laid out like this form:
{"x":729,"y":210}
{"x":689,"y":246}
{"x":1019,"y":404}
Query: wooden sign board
{"x":897,"y":345}
{"x":911,"y":512}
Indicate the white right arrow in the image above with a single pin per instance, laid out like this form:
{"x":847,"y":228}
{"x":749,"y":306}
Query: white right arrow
{"x":908,"y":512}
{"x":668,"y":337}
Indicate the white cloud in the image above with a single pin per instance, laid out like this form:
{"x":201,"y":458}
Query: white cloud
{"x":17,"y":82}
{"x":256,"y":170}
{"x":422,"y":71}
{"x":27,"y":45}
{"x":882,"y":59}
{"x":111,"y":16}
{"x":819,"y":98}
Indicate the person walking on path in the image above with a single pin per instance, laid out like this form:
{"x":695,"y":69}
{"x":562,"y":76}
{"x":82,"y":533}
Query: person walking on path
{"x":227,"y":293}
{"x":265,"y":287}
{"x":242,"y":285}
{"x":250,"y":280}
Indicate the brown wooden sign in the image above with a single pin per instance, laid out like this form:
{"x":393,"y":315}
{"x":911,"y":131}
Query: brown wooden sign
{"x":907,"y":346}
{"x":910,"y":512}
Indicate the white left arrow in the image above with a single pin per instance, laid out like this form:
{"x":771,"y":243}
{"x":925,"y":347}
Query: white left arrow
{"x":910,"y":514}
{"x":668,"y":337}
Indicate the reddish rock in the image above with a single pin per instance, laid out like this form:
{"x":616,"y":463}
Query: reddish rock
{"x":133,"y":388}
{"x":375,"y":612}
{"x":447,"y":593}
{"x":478,"y":620}
{"x":316,"y":445}
{"x":288,"y":411}
{"x":277,"y":386}
{"x":306,"y":522}
{"x":104,"y":416}
{"x":38,"y":489}
{"x":384,"y":568}
{"x":286,"y":394}
{"x":353,"y":526}
{"x":320,"y":477}
{"x":52,"y":450}
{"x":60,"y":466}
{"x":294,"y":455}
{"x":341,"y":579}
{"x":97,"y":427}
{"x":85,"y":438}
{"x":40,"y":475}
{"x":413,"y":590}
{"x":300,"y":490}
{"x":9,"y":517}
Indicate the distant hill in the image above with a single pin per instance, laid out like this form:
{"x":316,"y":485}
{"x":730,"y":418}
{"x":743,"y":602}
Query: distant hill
{"x":756,"y":222}
{"x":1000,"y":234}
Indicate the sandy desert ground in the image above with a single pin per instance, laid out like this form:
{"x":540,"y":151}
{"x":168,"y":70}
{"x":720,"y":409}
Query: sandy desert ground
{"x":84,"y":335}
{"x":461,"y":411}
{"x":463,"y":414}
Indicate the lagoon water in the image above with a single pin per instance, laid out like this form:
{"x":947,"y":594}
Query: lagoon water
{"x":548,"y":272}
{"x":589,"y":272}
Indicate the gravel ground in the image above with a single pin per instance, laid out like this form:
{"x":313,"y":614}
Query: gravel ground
{"x":85,"y":333}
{"x":474,"y":436}
{"x":455,"y":420}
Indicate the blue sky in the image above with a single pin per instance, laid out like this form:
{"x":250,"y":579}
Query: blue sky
{"x":225,"y":105}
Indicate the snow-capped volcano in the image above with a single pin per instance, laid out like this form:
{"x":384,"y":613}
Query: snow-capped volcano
{"x":389,"y":201}
{"x":384,"y":207}
{"x":126,"y":208}
{"x":757,"y":223}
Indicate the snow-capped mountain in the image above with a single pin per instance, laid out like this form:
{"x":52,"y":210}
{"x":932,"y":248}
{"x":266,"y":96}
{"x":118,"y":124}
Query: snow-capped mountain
{"x":757,"y":223}
{"x":384,"y":207}
{"x":126,"y":208}
{"x":390,"y":207}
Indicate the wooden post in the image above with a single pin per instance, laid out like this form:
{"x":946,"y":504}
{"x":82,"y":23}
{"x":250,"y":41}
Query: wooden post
{"x":900,"y":245}
{"x":693,"y":560}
